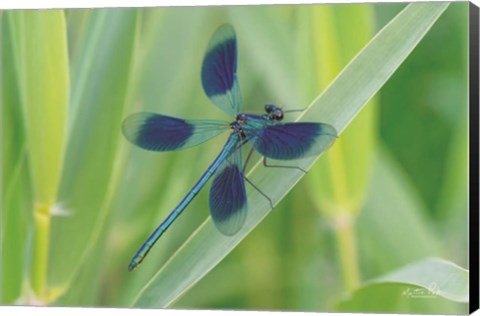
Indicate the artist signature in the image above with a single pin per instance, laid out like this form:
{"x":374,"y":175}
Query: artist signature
{"x":430,"y":292}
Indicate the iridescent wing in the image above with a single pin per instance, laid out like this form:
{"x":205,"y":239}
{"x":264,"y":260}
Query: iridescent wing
{"x":158,"y":132}
{"x":228,"y":198}
{"x":288,"y":141}
{"x":219,"y":71}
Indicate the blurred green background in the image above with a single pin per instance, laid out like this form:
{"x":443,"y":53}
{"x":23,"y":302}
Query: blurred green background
{"x":405,"y":155}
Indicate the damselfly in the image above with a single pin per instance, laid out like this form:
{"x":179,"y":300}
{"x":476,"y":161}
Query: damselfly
{"x":265,"y":133}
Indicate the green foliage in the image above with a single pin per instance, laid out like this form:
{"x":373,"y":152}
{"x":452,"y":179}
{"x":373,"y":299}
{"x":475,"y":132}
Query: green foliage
{"x":17,"y":199}
{"x":40,"y":93}
{"x":338,"y":183}
{"x":62,"y":146}
{"x":97,"y":108}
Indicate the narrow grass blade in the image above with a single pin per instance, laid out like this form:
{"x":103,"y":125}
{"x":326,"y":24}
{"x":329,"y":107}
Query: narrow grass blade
{"x":338,"y":105}
{"x":42,"y":65}
{"x":100,"y":80}
{"x":41,"y":62}
{"x":15,"y":223}
{"x":338,"y":183}
{"x":15,"y":205}
{"x":340,"y":180}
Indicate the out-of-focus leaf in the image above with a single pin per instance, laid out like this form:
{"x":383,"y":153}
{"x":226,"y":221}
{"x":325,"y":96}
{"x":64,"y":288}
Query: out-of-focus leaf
{"x":99,"y":88}
{"x":339,"y":182}
{"x":394,"y":211}
{"x":429,"y":95}
{"x":40,"y":61}
{"x":16,"y":198}
{"x":268,"y":56}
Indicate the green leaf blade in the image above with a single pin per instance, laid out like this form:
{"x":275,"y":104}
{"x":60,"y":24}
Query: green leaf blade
{"x":338,"y":183}
{"x":100,"y":81}
{"x":40,"y":59}
{"x":15,"y":206}
{"x":43,"y":69}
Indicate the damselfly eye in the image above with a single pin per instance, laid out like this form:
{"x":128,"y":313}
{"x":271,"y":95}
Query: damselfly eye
{"x":269,"y":108}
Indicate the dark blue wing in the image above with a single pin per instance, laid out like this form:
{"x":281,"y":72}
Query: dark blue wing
{"x":165,"y":133}
{"x":291,"y":140}
{"x":219,"y":71}
{"x":228,"y":198}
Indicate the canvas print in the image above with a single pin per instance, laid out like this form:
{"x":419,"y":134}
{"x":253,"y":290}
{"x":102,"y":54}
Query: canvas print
{"x":268,"y":157}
